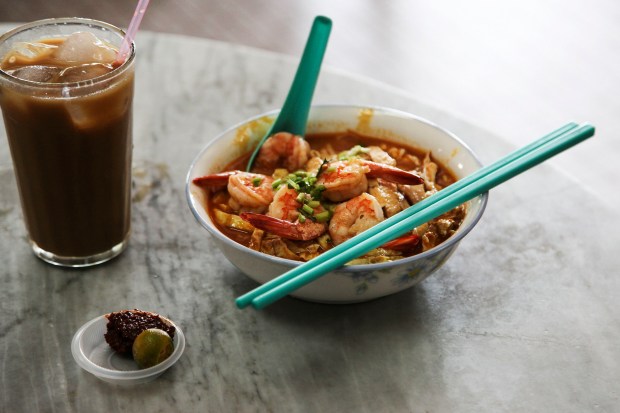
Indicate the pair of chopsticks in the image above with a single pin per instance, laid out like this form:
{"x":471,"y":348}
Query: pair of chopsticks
{"x":439,"y":203}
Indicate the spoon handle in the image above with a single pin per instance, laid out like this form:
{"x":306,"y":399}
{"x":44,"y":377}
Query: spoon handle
{"x":293,"y":116}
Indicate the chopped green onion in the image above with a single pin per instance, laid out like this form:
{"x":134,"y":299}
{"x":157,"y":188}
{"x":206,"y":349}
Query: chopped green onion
{"x":307,"y":209}
{"x":301,"y":218}
{"x":301,"y":198}
{"x":316,"y":191}
{"x":313,"y":203}
{"x":292,"y":184}
{"x":256,"y":181}
{"x":322,"y":216}
{"x":276,"y":183}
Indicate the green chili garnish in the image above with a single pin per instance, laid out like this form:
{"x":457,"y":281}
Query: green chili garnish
{"x":325,"y":162}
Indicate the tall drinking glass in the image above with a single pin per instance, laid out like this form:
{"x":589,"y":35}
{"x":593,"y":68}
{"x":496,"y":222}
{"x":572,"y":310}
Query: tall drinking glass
{"x":69,"y":132}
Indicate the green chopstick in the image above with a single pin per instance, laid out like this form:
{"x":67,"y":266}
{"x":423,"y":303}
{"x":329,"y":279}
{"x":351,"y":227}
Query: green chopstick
{"x":244,"y":300}
{"x":459,"y":192}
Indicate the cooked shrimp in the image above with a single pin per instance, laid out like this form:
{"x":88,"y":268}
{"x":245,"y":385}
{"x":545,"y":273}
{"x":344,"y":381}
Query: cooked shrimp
{"x":313,"y":165}
{"x":284,"y":205}
{"x":247,"y":190}
{"x":297,"y":230}
{"x":343,"y":179}
{"x":214,"y":181}
{"x":283,"y":150}
{"x":283,"y":218}
{"x":346,"y":179}
{"x":392,"y":174}
{"x":353,"y":217}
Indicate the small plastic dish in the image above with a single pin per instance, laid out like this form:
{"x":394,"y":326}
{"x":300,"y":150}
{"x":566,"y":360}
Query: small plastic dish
{"x":93,"y":354}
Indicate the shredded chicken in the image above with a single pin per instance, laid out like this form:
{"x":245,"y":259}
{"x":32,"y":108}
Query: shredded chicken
{"x":391,"y":200}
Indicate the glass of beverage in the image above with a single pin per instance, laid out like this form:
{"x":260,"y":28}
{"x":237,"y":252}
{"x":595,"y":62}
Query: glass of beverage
{"x":67,"y":109}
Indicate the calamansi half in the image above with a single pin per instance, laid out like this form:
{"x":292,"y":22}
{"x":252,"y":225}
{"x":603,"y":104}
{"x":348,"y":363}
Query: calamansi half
{"x":151,"y":347}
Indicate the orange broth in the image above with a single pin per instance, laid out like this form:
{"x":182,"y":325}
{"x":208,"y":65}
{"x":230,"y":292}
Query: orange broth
{"x":410,"y":158}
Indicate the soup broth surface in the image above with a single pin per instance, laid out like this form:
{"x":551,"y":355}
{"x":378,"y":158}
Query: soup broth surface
{"x":391,"y":196}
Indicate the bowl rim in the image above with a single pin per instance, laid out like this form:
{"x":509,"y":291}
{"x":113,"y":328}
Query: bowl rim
{"x":450,"y":242}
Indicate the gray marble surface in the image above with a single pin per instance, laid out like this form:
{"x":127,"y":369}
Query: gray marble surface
{"x":523,"y":317}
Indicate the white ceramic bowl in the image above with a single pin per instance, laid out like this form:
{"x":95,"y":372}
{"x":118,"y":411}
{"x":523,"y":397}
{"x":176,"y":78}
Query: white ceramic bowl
{"x":94,"y":354}
{"x":354,"y":283}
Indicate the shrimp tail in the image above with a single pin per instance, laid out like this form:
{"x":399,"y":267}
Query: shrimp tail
{"x":285,"y":229}
{"x":404,"y":243}
{"x":266,"y":223}
{"x":393,"y":174}
{"x":214,"y":180}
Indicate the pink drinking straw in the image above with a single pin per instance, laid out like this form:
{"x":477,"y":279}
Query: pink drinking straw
{"x":131,"y":32}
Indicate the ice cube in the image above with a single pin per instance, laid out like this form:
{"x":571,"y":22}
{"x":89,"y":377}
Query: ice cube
{"x":25,"y":53}
{"x":33,"y":49}
{"x":83,"y":72}
{"x":37,"y":73}
{"x":85,"y":47}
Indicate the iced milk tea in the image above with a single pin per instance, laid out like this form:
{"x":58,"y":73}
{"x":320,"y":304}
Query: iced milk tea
{"x":68,"y":116}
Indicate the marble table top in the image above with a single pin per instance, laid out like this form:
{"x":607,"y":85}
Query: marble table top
{"x":522,"y":318}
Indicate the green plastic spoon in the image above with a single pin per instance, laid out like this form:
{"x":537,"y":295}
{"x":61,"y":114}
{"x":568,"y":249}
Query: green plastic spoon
{"x":294,"y":114}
